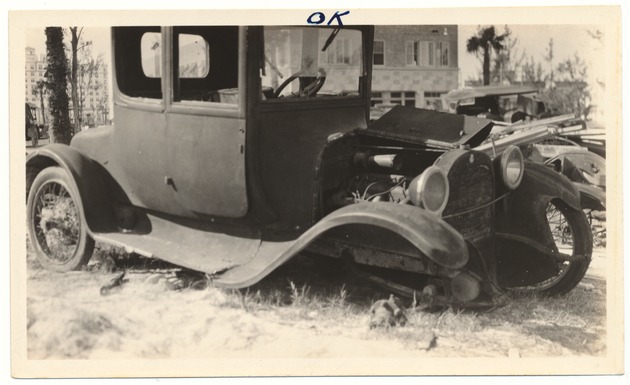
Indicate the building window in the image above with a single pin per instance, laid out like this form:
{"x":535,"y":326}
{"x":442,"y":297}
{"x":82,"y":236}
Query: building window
{"x":432,"y":94}
{"x":411,"y":48}
{"x":379,"y":52}
{"x":442,"y":53}
{"x":404,"y":98}
{"x":407,"y":98}
{"x":339,"y":52}
{"x":377,"y":98}
{"x":427,"y":53}
{"x":433,"y":100}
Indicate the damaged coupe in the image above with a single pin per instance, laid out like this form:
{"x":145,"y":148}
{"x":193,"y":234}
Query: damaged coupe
{"x":234,"y":149}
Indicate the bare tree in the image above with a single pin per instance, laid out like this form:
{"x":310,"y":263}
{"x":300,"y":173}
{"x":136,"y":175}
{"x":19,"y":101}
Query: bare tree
{"x":576,"y":95}
{"x":507,"y":61}
{"x":550,"y":78}
{"x":103,"y":102}
{"x":39,"y":90}
{"x":533,"y":73}
{"x":74,"y":41}
{"x":90,"y":80}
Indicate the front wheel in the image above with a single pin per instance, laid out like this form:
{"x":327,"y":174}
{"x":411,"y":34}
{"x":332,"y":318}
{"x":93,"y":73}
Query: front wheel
{"x":56,"y":225}
{"x":574,"y":246}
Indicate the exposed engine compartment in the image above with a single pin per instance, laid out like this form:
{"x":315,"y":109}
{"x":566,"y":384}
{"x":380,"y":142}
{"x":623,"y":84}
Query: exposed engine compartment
{"x":354,"y":169}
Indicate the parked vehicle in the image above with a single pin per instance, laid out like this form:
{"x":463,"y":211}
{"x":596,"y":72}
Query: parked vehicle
{"x":561,"y":142}
{"x":236,"y":148}
{"x":33,"y":121}
{"x":502,"y":103}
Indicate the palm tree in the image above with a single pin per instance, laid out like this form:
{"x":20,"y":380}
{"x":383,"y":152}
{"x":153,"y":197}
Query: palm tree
{"x":485,"y":41}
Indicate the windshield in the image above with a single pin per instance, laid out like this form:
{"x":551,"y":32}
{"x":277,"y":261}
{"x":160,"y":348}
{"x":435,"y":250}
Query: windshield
{"x":309,"y":62}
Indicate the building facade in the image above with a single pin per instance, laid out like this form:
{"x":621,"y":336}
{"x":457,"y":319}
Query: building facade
{"x":94,"y":93}
{"x":35,"y":70}
{"x":414,"y":65}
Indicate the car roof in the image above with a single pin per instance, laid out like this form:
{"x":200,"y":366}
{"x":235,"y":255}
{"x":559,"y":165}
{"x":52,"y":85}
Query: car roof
{"x":475,"y":92}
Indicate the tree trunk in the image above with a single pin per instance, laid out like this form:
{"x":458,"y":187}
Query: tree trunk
{"x":57,"y":72}
{"x":74,"y":82}
{"x":41,"y":102}
{"x":486,"y":66}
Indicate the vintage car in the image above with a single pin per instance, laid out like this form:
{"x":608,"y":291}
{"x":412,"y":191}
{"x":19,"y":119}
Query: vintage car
{"x":507,"y":103}
{"x":235,"y":148}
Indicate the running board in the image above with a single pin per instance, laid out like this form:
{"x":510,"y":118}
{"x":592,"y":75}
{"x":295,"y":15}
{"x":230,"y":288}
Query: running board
{"x":240,"y":258}
{"x":207,"y":249}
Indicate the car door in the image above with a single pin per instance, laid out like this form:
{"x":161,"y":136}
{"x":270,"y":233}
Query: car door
{"x":136,"y":159}
{"x":205,"y":121}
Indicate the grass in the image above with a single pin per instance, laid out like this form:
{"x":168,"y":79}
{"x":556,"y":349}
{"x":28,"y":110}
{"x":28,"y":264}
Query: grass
{"x":322,"y":297}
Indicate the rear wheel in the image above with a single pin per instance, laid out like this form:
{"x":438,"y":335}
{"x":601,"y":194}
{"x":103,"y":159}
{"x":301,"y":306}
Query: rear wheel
{"x":56,"y":224}
{"x":573,"y":246}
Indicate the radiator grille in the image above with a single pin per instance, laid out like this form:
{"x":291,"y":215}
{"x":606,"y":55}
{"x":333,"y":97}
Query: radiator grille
{"x":471,"y":182}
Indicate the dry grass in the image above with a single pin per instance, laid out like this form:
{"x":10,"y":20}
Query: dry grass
{"x":307,"y":308}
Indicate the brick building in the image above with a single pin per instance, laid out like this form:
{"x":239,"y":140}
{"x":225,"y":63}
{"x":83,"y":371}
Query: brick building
{"x":414,"y":64}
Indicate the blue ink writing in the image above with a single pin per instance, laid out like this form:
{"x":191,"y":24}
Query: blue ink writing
{"x":319,"y":17}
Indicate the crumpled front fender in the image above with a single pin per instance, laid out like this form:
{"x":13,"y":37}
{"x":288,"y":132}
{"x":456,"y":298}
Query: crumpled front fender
{"x":542,"y":181}
{"x":523,"y":211}
{"x":431,"y":235}
{"x":525,"y":243}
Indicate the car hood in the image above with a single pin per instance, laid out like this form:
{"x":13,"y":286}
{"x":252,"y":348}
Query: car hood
{"x":430,"y":128}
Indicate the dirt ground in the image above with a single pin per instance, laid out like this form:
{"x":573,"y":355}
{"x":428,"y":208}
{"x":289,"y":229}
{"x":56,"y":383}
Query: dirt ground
{"x":304,"y":309}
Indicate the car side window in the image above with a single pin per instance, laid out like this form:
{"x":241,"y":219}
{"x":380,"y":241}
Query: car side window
{"x":138,"y":75}
{"x":206,"y":59}
{"x":151,"y":54}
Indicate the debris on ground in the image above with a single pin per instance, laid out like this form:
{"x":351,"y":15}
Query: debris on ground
{"x":114,"y":283}
{"x":387,"y":312}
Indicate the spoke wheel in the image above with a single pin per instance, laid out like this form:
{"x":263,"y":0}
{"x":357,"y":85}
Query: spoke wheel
{"x":56,"y":225}
{"x":573,"y":246}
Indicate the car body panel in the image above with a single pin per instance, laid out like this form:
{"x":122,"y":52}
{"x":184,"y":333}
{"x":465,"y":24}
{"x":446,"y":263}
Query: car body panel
{"x":527,"y":240}
{"x":94,"y":194}
{"x":431,"y":128}
{"x":429,"y":234}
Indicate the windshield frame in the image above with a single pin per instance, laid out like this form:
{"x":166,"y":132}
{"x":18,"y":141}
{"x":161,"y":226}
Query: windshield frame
{"x":365,"y":68}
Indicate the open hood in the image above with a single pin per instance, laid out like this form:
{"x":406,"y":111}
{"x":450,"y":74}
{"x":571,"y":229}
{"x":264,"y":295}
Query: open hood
{"x":430,"y":128}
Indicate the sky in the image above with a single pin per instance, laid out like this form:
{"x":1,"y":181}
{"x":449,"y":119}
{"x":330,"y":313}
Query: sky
{"x":100,"y":38}
{"x":534,"y":40}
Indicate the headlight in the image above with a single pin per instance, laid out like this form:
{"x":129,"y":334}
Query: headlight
{"x":512,"y":167}
{"x":429,"y":190}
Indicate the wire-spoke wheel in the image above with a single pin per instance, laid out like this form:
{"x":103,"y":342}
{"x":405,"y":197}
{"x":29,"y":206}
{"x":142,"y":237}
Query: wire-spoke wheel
{"x":573,"y":247}
{"x":55,"y":222}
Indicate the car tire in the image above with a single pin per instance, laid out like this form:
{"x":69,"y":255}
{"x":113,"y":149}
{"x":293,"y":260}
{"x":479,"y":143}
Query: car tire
{"x":569,"y":228}
{"x":56,"y":222}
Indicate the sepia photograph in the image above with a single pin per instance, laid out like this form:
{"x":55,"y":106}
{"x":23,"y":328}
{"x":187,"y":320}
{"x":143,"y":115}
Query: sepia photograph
{"x":326,"y":192}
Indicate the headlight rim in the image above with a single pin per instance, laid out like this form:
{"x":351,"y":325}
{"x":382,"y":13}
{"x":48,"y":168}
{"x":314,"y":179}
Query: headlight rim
{"x":420,"y":182}
{"x":505,"y":158}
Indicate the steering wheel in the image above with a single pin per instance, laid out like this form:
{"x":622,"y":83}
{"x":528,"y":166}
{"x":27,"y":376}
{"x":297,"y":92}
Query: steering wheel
{"x":310,"y":90}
